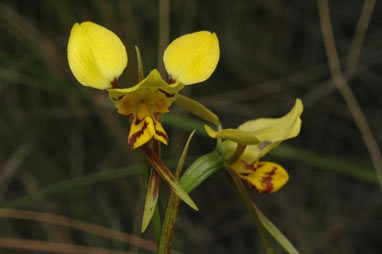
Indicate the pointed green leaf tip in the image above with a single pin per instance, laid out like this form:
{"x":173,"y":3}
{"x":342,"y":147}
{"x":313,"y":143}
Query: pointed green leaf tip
{"x":275,"y":232}
{"x":141,"y":74}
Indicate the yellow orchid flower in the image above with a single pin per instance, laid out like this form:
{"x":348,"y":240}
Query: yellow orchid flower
{"x":257,"y":138}
{"x":143,"y":103}
{"x":97,"y":57}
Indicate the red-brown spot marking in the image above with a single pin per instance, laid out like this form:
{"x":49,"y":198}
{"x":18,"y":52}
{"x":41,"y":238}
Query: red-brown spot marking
{"x":136,"y":135}
{"x":267,"y":180}
{"x":247,"y":166}
{"x":114,"y":83}
{"x":260,"y":164}
{"x":169,"y":95}
{"x":118,"y":98}
{"x":170,"y":80}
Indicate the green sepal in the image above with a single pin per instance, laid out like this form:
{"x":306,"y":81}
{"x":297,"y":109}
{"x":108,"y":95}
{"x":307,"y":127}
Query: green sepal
{"x":197,"y":109}
{"x":151,"y":199}
{"x":201,"y":169}
{"x":141,"y":74}
{"x":236,"y":135}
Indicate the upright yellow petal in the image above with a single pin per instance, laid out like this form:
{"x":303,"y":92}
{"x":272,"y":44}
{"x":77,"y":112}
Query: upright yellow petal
{"x":192,"y":58}
{"x":272,"y":131}
{"x":96,"y":55}
{"x":276,"y":129}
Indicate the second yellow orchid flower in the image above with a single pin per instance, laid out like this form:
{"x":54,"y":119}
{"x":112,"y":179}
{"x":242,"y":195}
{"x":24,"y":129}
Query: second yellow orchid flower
{"x":256,"y":138}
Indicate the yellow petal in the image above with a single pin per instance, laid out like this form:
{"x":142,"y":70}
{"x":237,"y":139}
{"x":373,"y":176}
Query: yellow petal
{"x":96,"y":55}
{"x":154,"y":82}
{"x":266,"y":177}
{"x":276,"y":129}
{"x":160,"y":134}
{"x":141,"y":131}
{"x":272,"y":131}
{"x":192,"y":58}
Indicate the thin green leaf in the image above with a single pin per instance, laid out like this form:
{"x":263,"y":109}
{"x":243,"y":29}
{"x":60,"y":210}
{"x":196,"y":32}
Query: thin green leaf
{"x":172,"y":207}
{"x":275,"y":232}
{"x":72,"y":184}
{"x":168,"y":177}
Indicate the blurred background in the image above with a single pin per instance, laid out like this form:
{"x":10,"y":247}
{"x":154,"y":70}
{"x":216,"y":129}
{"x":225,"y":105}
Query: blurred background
{"x":64,"y":152}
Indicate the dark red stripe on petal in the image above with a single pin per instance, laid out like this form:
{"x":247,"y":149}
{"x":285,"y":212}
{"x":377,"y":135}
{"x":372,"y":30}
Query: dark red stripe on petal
{"x":249,"y":167}
{"x":162,"y":134}
{"x":259,"y":165}
{"x":169,"y":95}
{"x":137,"y":121}
{"x":267,"y":180}
{"x":136,"y":135}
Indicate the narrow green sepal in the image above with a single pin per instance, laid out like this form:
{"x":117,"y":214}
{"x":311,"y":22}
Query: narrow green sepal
{"x":200,"y":170}
{"x":197,"y":109}
{"x":141,"y":74}
{"x":151,"y":199}
{"x":236,"y":135}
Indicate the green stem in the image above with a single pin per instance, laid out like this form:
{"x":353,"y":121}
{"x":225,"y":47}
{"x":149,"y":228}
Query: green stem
{"x":248,"y":204}
{"x":200,"y":170}
{"x":238,"y":152}
{"x":156,"y":219}
{"x":157,"y":223}
{"x":172,"y":207}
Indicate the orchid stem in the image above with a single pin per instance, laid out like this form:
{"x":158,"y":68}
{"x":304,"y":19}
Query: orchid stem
{"x":157,"y":223}
{"x":156,"y":219}
{"x":248,"y":204}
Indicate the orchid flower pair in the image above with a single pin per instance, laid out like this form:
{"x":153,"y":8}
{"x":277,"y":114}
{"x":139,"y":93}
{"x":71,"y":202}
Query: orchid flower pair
{"x":97,"y":57}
